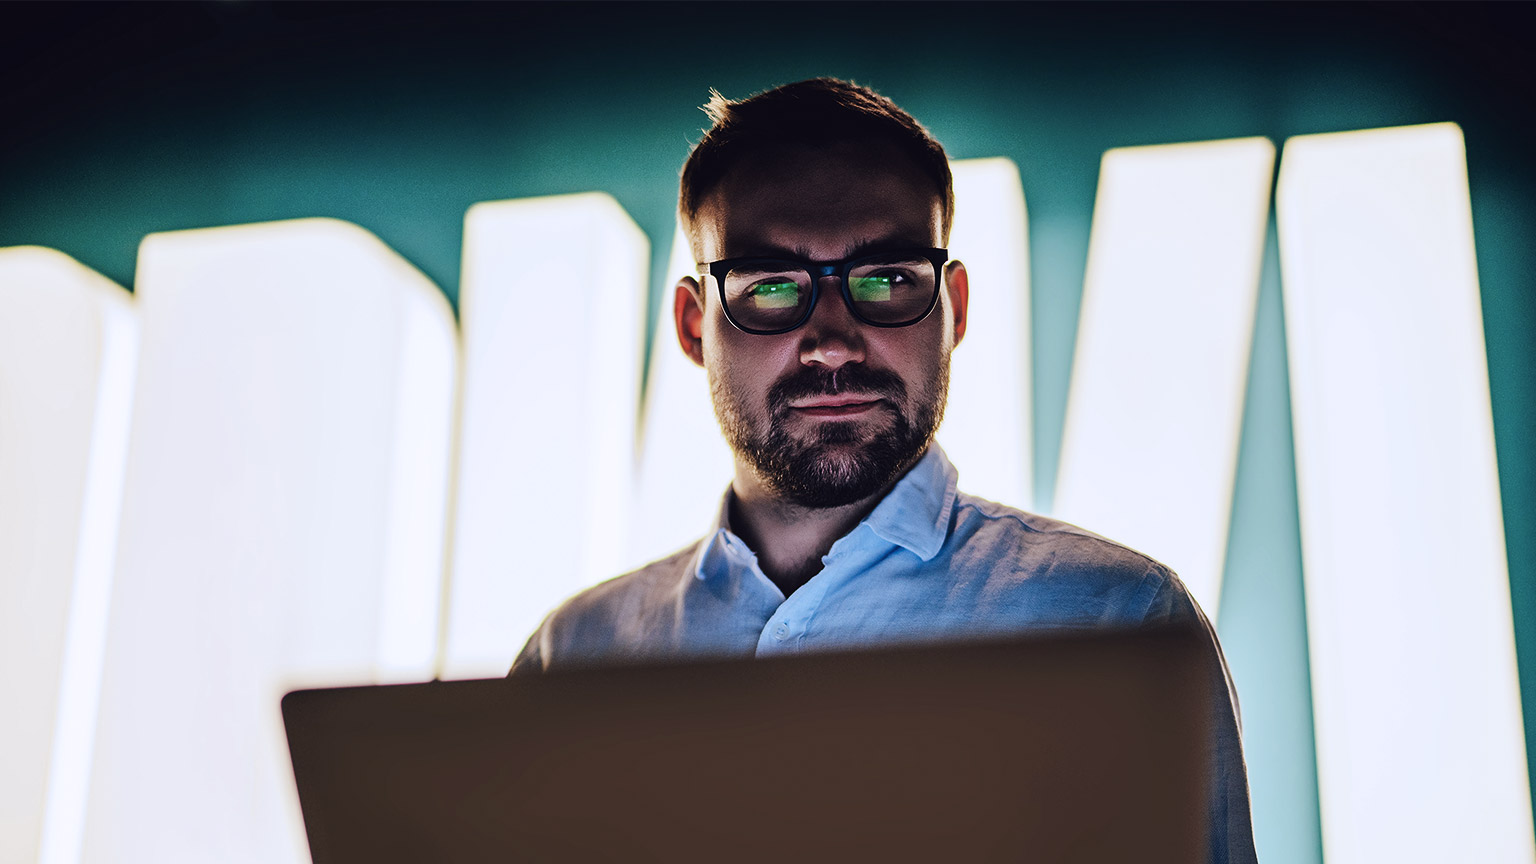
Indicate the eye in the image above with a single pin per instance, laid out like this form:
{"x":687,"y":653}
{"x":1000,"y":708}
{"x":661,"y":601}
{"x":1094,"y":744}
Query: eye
{"x":774,"y":294}
{"x":877,"y":284}
{"x":872,"y":289}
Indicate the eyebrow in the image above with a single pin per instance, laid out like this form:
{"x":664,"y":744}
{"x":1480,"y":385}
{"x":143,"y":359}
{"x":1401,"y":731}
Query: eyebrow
{"x":863,"y":247}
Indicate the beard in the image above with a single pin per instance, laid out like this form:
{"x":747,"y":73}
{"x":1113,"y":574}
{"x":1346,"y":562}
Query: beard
{"x":838,"y":462}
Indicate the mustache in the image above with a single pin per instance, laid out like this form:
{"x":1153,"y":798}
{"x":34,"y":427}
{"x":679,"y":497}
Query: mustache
{"x":849,"y":378}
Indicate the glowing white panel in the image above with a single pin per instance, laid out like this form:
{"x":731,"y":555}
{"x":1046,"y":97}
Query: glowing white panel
{"x":553,"y":305}
{"x":685,"y":464}
{"x":1420,"y":751}
{"x":1154,"y":414}
{"x":283,"y":524}
{"x":987,"y":431}
{"x":68,"y":345}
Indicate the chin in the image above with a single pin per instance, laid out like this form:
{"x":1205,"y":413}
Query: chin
{"x":833,"y":475}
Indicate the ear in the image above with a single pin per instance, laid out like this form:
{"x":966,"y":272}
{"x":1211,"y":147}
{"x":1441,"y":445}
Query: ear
{"x":688,"y":315}
{"x":958,"y":284}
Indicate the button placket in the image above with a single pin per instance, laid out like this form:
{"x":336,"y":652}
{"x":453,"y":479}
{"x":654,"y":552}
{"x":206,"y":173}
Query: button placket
{"x":788,"y":625}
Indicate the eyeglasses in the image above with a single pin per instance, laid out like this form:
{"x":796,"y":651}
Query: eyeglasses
{"x":766,"y":296}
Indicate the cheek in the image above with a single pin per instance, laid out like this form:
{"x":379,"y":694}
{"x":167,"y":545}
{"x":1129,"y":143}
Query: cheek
{"x":742,"y":357}
{"x":943,"y":320}
{"x":730,"y":361}
{"x":721,"y":343}
{"x":915,"y":353}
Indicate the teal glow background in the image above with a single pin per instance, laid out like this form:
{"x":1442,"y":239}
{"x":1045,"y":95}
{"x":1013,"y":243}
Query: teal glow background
{"x":117,"y":121}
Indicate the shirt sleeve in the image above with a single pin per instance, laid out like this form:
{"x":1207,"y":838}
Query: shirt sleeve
{"x":1230,"y":823}
{"x":533,"y":658}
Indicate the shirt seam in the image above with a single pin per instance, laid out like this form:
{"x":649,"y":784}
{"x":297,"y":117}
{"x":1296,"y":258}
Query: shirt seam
{"x":1152,"y":563}
{"x":1159,"y":575}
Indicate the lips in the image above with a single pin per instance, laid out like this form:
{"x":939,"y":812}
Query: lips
{"x":841,"y":405}
{"x":850,"y":392}
{"x":839,"y":401}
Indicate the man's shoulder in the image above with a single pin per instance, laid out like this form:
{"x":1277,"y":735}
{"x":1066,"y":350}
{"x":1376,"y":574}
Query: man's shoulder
{"x":1063,"y":567}
{"x":1043,"y":546}
{"x":607,"y":619}
{"x":621,"y":595}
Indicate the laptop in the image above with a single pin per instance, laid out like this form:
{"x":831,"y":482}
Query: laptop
{"x":1077,"y":749}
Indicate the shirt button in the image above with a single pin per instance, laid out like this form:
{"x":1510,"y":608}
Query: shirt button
{"x":780,"y":633}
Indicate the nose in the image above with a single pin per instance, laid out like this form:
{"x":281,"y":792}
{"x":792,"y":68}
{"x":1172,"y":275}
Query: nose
{"x":832,"y":336}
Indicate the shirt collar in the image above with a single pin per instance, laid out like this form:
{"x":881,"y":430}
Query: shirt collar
{"x":719,"y":542}
{"x":913,"y":515}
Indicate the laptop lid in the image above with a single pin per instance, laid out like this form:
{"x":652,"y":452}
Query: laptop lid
{"x":1069,"y":749}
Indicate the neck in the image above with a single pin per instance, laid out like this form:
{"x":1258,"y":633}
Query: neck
{"x":789,"y":539}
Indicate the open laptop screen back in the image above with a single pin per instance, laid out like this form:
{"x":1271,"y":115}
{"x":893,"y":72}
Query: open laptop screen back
{"x":1077,"y":749}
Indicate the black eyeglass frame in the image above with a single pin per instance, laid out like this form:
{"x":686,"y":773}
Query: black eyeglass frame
{"x":819,"y":270}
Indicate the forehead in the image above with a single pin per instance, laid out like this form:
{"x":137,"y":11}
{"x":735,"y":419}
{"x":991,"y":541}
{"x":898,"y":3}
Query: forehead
{"x":819,"y":203}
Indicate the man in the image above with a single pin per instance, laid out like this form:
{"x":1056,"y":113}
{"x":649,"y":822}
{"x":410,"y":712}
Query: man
{"x":824,"y":316}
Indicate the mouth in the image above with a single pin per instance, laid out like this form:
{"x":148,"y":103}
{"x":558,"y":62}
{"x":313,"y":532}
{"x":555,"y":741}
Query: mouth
{"x":841,"y":405}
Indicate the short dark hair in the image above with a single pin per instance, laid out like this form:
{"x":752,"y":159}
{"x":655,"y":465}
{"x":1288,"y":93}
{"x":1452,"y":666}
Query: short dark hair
{"x":838,"y":110}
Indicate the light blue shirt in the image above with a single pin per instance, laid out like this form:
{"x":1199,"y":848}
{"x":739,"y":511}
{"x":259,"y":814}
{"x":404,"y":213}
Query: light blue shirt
{"x":928,"y":563}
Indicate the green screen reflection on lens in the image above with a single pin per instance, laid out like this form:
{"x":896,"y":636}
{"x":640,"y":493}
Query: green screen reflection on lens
{"x":775,"y":295}
{"x":867,"y":289}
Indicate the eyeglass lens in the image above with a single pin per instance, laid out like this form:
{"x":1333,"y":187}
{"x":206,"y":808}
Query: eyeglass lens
{"x":890,"y":289}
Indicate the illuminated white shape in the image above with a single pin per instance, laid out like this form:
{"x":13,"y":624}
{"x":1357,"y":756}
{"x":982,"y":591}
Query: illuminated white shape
{"x":1154,"y":414}
{"x":282,"y":524}
{"x":685,"y":464}
{"x":986,"y":430}
{"x":68,"y":345}
{"x":552,"y":303}
{"x":1421,"y":755}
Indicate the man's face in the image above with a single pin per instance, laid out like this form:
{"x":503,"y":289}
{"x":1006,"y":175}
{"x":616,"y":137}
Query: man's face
{"x":834,"y":411}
